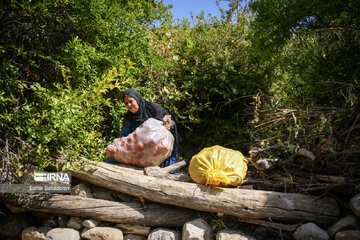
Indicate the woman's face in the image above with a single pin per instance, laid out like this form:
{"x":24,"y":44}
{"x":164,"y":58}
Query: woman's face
{"x":131,"y":104}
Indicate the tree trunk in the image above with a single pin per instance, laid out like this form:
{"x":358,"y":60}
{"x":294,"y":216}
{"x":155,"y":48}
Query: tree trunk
{"x":242,"y":203}
{"x":103,"y":210}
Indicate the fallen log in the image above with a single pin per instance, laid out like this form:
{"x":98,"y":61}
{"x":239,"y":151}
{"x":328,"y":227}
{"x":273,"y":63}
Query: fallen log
{"x":243,"y":203}
{"x":103,"y":210}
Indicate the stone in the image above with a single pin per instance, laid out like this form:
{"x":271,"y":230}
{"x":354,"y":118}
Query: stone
{"x":122,"y":197}
{"x":163,"y":234}
{"x":134,"y":229}
{"x":75,"y":223}
{"x":103,"y":195}
{"x":345,"y":223}
{"x":355,"y":205}
{"x":33,"y":233}
{"x":90,"y":223}
{"x":63,"y":233}
{"x":260,"y":232}
{"x":196,"y":229}
{"x":82,"y":191}
{"x":44,"y":230}
{"x":62,"y":220}
{"x":134,"y":237}
{"x":348,"y":235}
{"x":102,"y":233}
{"x":310,"y":231}
{"x":50,"y":221}
{"x":233,"y":235}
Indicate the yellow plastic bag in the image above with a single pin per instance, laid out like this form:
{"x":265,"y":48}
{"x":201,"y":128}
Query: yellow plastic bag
{"x":218,"y":166}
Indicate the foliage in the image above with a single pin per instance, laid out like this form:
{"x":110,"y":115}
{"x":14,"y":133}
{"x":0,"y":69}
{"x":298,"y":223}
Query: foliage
{"x":315,"y":43}
{"x":218,"y":223}
{"x":209,"y":66}
{"x":314,"y":94}
{"x":54,"y":96}
{"x":274,"y":72}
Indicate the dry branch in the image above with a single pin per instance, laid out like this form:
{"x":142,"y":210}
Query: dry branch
{"x":242,"y":203}
{"x":103,"y":210}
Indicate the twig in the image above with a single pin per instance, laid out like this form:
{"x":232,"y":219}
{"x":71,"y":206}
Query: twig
{"x":274,"y":120}
{"x":301,"y":117}
{"x":348,"y":152}
{"x":357,"y":126}
{"x":235,"y":99}
{"x":353,"y":126}
{"x":333,"y":179}
{"x":174,"y":167}
{"x":156,"y":171}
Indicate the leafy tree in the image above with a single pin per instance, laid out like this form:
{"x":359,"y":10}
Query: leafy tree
{"x":210,"y":66}
{"x":60,"y":62}
{"x":313,"y":99}
{"x":317,"y":41}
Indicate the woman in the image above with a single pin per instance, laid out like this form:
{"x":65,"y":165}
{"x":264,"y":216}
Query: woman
{"x":140,"y":110}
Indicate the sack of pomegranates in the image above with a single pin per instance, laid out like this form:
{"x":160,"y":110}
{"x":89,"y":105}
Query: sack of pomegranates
{"x":149,"y":145}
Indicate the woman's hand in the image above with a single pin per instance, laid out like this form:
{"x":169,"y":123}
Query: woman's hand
{"x":168,"y":124}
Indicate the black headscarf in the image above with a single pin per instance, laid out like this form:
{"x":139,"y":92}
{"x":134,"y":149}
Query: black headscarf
{"x":148,"y":110}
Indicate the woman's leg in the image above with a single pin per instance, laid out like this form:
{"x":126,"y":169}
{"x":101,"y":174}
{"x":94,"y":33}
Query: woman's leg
{"x":111,"y":161}
{"x":170,"y":161}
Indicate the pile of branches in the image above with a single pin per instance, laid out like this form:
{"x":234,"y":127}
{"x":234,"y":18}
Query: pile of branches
{"x":314,"y":150}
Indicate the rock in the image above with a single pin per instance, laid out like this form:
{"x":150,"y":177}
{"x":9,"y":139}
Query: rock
{"x":13,"y":224}
{"x":348,"y":235}
{"x":348,"y":222}
{"x":355,"y":205}
{"x":33,"y":233}
{"x":233,"y":235}
{"x":90,"y":223}
{"x":134,"y":229}
{"x":50,"y":221}
{"x":310,"y":231}
{"x":103,"y":195}
{"x":261,"y":232}
{"x":134,"y":237}
{"x":62,"y":234}
{"x":122,"y":197}
{"x":196,"y":229}
{"x":44,"y":230}
{"x":102,"y":233}
{"x":75,"y":223}
{"x":163,"y":234}
{"x":82,"y":191}
{"x":62,"y":220}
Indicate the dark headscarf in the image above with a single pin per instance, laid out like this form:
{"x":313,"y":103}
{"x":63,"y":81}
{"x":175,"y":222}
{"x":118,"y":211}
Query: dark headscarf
{"x":148,"y":110}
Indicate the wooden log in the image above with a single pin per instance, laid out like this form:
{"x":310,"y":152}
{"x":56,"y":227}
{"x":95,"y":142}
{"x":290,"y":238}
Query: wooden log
{"x":157,"y":171}
{"x":243,"y":203}
{"x":103,"y":210}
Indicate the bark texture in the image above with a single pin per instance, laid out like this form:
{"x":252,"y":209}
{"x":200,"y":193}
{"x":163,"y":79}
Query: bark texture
{"x":103,"y":210}
{"x":242,"y":203}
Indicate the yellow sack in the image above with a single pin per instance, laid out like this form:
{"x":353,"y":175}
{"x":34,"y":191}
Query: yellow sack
{"x":218,"y":166}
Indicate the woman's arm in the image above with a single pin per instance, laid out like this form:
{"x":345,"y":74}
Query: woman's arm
{"x":127,"y":128}
{"x":169,"y":124}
